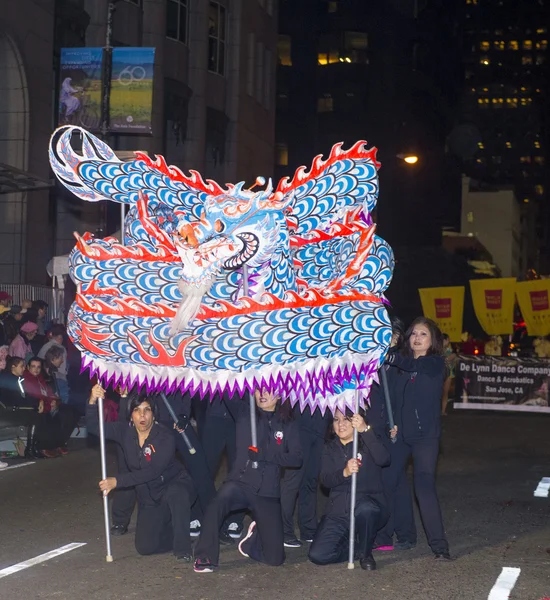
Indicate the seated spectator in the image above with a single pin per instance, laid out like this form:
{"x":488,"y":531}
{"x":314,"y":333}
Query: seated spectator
{"x":21,"y":345}
{"x":62,"y":419}
{"x":12,"y":323}
{"x":53,"y":359}
{"x":12,"y":393}
{"x":55,"y":337}
{"x":5,"y":299}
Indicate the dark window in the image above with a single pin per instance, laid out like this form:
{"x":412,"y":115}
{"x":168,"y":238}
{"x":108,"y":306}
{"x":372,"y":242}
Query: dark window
{"x":176,"y":20}
{"x":216,"y":38}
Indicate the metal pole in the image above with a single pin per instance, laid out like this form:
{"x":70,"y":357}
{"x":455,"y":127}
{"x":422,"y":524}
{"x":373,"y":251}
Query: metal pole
{"x":245,"y":280}
{"x":253,"y":427}
{"x":175,"y":419}
{"x":122,"y":219}
{"x":351,"y":557}
{"x":109,"y":557}
{"x":384,"y":379}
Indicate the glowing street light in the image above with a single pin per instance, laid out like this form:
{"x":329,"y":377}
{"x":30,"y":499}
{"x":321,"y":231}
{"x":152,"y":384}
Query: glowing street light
{"x":410,"y":159}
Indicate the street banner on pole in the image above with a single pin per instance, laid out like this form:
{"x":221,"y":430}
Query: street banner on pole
{"x":502,"y":383}
{"x":80,"y":87}
{"x":131,"y":99}
{"x":445,"y":306}
{"x":494,"y":301}
{"x":534,"y":302}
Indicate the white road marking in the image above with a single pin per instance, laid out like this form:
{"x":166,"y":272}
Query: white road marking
{"x":17,"y":466}
{"x":543,"y":488}
{"x":39,"y":559}
{"x":504,"y":584}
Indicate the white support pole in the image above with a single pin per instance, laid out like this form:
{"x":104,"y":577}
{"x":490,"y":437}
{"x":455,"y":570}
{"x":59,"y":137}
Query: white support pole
{"x":351,"y":556}
{"x":122,"y":220}
{"x":109,"y":557}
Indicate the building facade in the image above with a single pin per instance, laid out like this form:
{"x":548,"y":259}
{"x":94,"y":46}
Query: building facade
{"x":213,"y":104}
{"x":507,"y":98}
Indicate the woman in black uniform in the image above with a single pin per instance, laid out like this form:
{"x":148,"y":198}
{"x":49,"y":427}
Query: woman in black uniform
{"x":330,"y":544}
{"x":256,"y":489}
{"x":163,"y":488}
{"x":417,"y":374}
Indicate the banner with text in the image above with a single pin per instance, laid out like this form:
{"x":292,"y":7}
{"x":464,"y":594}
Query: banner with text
{"x":494,"y":301}
{"x":131,"y":101}
{"x":495,"y":383}
{"x":80,"y":87}
{"x":533,"y":299}
{"x":445,"y":306}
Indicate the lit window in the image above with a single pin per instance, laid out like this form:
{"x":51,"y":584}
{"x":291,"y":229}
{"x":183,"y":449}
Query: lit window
{"x":499,"y":45}
{"x":497,"y":160}
{"x":486,"y":90}
{"x":480,"y":145}
{"x":176,"y":20}
{"x":537,"y":144}
{"x":483,"y":102}
{"x":281,"y":154}
{"x":541,"y":30}
{"x":539,"y":160}
{"x":527,"y":45}
{"x":539,"y":190}
{"x":485,"y":46}
{"x":541,"y":59}
{"x":497,"y":102}
{"x":508,"y":144}
{"x":325,"y":103}
{"x":511,"y":102}
{"x":216,"y":38}
{"x":526,"y":60}
{"x":525,"y":159}
{"x":526,"y":200}
{"x":481,"y":161}
{"x":484,"y":60}
{"x":513,"y":45}
{"x":542,"y":45}
{"x":284,"y":48}
{"x":526,"y":101}
{"x":471,"y":1}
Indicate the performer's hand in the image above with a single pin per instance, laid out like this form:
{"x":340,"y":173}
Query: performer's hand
{"x":254,"y":454}
{"x":352,"y":467}
{"x":358,"y":422}
{"x":97,"y":392}
{"x":41,"y":406}
{"x":393,"y":432}
{"x":106,"y":485}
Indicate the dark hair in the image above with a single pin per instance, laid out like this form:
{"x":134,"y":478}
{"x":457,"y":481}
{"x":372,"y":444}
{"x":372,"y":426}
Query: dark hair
{"x":38,"y":304}
{"x":348,"y":413}
{"x":398,"y":328}
{"x":283,"y":409}
{"x":137,"y":399}
{"x":445,"y":337}
{"x":435,"y":333}
{"x":13,"y":361}
{"x":35,"y":359}
{"x":56,"y":330}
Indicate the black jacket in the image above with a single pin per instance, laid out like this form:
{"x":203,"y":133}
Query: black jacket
{"x":374,"y":456}
{"x":278,"y":444}
{"x":12,"y":393}
{"x":151,"y":467}
{"x":416,"y":386}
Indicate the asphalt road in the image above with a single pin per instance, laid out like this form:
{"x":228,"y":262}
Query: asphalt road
{"x":490,"y":466}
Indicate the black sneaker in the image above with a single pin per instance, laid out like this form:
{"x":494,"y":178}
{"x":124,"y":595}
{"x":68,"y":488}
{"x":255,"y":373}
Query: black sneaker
{"x":119,"y":529}
{"x":195,"y":528}
{"x":203,"y":565}
{"x":234,"y":530}
{"x":404,"y":545}
{"x":292,"y":542}
{"x":368,"y":563}
{"x":442,"y":555}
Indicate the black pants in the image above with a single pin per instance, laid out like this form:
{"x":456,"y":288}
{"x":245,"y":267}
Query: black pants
{"x":124,"y":499}
{"x":331,"y":543}
{"x":266,"y":545}
{"x":54,"y":430}
{"x":424,"y":454}
{"x":216,"y":435}
{"x":165,"y":527}
{"x":302,"y":483}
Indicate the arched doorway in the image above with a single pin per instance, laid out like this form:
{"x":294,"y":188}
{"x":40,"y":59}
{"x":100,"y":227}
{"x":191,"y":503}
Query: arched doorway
{"x":14,"y":151}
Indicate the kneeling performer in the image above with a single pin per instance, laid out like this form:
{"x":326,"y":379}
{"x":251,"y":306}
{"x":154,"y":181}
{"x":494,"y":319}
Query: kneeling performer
{"x":257,"y":489}
{"x":330,"y":544}
{"x":163,"y":487}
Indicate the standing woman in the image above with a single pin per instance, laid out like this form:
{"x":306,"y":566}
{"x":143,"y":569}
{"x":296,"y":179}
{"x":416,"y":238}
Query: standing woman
{"x":330,"y":544}
{"x":163,"y":488}
{"x":257,"y":489}
{"x":416,"y":401}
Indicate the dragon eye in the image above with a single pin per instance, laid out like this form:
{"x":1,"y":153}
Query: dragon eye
{"x":219,"y":226}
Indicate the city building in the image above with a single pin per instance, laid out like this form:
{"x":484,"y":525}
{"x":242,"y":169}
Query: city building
{"x":493,"y":217}
{"x":387,"y":72}
{"x":507,"y":98}
{"x":213,"y":105}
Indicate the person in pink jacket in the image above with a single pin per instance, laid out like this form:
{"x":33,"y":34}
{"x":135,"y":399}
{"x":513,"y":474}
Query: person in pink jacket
{"x":21,"y":346}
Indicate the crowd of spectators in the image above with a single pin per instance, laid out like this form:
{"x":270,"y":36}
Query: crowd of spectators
{"x":34,"y":391}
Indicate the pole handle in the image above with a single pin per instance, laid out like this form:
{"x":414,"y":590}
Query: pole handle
{"x":186,"y":439}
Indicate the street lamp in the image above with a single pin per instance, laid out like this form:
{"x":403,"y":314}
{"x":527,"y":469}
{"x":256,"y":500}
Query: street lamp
{"x":410,"y":159}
